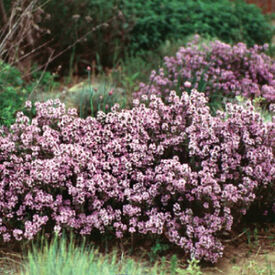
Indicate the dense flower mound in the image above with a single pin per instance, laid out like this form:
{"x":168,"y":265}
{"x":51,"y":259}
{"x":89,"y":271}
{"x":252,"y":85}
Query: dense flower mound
{"x":168,"y":169}
{"x":218,"y":69}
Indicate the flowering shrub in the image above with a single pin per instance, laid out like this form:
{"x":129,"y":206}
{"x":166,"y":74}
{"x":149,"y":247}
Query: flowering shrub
{"x":218,"y":69}
{"x":168,"y":169}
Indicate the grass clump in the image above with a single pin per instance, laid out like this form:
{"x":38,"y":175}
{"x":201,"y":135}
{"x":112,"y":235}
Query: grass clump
{"x":64,"y":257}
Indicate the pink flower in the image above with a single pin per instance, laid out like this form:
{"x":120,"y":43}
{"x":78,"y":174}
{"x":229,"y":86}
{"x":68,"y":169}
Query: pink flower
{"x":187,"y":84}
{"x":28,"y":104}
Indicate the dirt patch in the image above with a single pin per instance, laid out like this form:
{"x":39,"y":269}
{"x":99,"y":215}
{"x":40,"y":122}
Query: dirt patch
{"x":240,"y":261}
{"x":252,"y":253}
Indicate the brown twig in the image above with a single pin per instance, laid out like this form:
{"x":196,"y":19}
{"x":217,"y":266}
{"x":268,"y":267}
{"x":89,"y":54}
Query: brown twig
{"x":43,"y":73}
{"x":235,"y":238}
{"x":3,"y":12}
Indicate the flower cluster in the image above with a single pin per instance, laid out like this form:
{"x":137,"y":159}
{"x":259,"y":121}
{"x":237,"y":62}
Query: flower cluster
{"x":218,"y":69}
{"x":169,"y":169}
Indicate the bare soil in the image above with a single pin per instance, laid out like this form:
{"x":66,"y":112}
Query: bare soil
{"x":248,"y":255}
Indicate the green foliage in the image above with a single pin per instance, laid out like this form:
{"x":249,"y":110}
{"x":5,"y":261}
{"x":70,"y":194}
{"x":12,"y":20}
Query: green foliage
{"x":158,"y":20}
{"x":130,"y":71}
{"x":125,"y":76}
{"x":42,"y":80}
{"x":12,"y":93}
{"x":156,"y":250}
{"x":90,"y":98}
{"x":193,"y":268}
{"x":9,"y":75}
{"x":255,"y":28}
{"x":270,"y":16}
{"x":173,"y":264}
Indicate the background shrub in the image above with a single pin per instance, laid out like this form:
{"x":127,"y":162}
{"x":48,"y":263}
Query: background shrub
{"x":219,"y":70}
{"x":229,"y":21}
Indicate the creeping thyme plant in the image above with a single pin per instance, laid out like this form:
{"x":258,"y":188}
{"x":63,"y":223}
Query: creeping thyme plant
{"x":219,"y":70}
{"x":169,"y":169}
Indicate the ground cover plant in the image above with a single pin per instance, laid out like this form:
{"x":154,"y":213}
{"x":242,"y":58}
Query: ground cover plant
{"x":171,"y":169}
{"x":219,"y":70}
